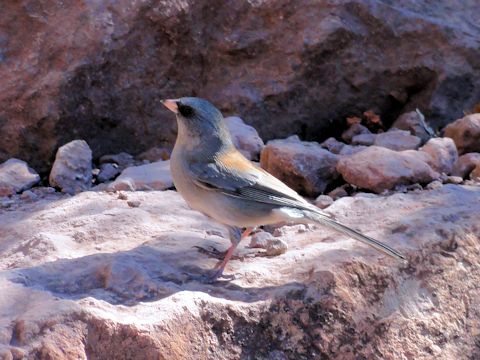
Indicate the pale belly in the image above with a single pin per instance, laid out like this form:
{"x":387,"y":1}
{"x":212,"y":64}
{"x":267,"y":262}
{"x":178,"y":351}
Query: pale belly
{"x":224,"y":209}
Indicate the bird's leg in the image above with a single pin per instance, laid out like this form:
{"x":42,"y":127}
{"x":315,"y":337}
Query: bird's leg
{"x":235,"y":237}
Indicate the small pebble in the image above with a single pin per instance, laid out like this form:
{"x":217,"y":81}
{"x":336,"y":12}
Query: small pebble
{"x":323,"y":201}
{"x":338,"y":193}
{"x":122,"y":196}
{"x":454,"y":180}
{"x":28,"y":195}
{"x":434,"y":185}
{"x":133,"y":203}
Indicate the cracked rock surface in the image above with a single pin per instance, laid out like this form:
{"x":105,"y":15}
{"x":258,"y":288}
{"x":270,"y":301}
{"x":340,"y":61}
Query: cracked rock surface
{"x":89,"y":276}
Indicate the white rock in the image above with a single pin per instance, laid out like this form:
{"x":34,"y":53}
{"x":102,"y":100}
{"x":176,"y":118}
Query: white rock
{"x":72,"y":169}
{"x":153,"y":176}
{"x":16,"y":176}
{"x":245,"y":137}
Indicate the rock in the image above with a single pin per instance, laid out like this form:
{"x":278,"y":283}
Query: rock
{"x":378,"y":169}
{"x":28,"y":195}
{"x":397,"y":140}
{"x":442,"y":154}
{"x":338,"y":193}
{"x":108,"y":171}
{"x":414,"y":122}
{"x":323,"y":201}
{"x":245,"y":138}
{"x":354,"y":130}
{"x":434,"y":185}
{"x":475,"y":174}
{"x":123,"y":160}
{"x":153,"y":176}
{"x":303,"y":71}
{"x":156,"y":153}
{"x":276,"y":247}
{"x":332,"y":145}
{"x":108,"y":282}
{"x":454,"y":180}
{"x":134,"y":203}
{"x":259,"y":239}
{"x":465,"y":164}
{"x":465,"y":132}
{"x":350,"y":149}
{"x":16,"y":176}
{"x":364,"y":139}
{"x":304,"y":166}
{"x":72,"y":169}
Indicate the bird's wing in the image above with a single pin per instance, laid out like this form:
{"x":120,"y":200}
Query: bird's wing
{"x":232,"y":174}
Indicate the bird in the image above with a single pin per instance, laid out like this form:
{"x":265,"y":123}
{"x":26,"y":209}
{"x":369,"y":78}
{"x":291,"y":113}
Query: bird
{"x":215,"y":179}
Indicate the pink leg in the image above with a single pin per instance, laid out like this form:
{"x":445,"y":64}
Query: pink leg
{"x":221,"y":265}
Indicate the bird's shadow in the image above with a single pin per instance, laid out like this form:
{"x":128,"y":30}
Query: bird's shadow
{"x":148,"y":272}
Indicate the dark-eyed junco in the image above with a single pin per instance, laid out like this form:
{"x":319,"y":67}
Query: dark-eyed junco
{"x":216,"y":179}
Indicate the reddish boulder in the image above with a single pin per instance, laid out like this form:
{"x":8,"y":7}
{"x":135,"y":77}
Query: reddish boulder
{"x":466,"y":133}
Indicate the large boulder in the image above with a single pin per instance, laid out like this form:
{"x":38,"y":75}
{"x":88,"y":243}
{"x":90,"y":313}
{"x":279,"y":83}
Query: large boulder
{"x":16,"y":176}
{"x":288,"y":66}
{"x":466,"y":133}
{"x":304,"y":166}
{"x":378,"y":169}
{"x":118,"y":282}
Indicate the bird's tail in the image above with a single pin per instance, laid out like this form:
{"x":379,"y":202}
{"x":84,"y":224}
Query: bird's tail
{"x":329,"y":222}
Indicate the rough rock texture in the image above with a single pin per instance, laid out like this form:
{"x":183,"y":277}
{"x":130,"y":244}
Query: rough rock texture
{"x":109,"y":282}
{"x":288,"y":66}
{"x":108,"y":171}
{"x":442,"y":154}
{"x":333,"y":145}
{"x":414,"y":122}
{"x":72,"y":169}
{"x":153,"y":176}
{"x":16,"y":176}
{"x":304,"y":166}
{"x":245,"y":138}
{"x":364,"y":139}
{"x":354,"y":130}
{"x":378,"y":169}
{"x":475,"y":174}
{"x":397,"y":140}
{"x":465,"y":164}
{"x":466,"y":133}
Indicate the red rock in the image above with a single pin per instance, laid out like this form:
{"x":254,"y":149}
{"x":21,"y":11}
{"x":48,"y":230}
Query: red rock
{"x":465,"y":164}
{"x":304,"y":166}
{"x":442,"y":154}
{"x":466,"y":133}
{"x":288,"y":66}
{"x":378,"y":169}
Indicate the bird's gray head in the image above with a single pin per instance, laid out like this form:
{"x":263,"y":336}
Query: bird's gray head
{"x":198,"y":119}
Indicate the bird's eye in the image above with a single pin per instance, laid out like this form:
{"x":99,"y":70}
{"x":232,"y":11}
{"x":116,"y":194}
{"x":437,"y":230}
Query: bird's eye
{"x":185,"y":110}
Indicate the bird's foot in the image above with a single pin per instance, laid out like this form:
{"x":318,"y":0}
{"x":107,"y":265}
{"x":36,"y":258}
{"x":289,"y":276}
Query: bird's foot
{"x":211,"y":252}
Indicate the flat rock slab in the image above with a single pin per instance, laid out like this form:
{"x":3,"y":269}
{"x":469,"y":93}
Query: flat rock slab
{"x":90,"y":276}
{"x":153,"y":176}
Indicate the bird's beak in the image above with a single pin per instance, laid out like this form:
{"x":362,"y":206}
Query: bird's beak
{"x":170,"y":104}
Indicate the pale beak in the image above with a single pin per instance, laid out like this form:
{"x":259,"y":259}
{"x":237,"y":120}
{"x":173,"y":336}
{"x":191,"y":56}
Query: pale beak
{"x":170,"y":104}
